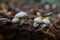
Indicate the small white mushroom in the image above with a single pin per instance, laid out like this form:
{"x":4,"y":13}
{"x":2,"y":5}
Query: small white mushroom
{"x":46,"y":21}
{"x":20,"y":18}
{"x":37,"y":21}
{"x":15,"y":20}
{"x":21,"y":15}
{"x":4,"y":19}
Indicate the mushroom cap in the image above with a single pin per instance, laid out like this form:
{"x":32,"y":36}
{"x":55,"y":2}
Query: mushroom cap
{"x":15,"y":20}
{"x":38,"y":20}
{"x":46,"y":21}
{"x":21,"y":15}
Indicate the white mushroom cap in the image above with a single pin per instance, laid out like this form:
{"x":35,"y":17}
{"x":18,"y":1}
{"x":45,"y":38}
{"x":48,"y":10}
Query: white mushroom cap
{"x":38,"y":20}
{"x":46,"y":21}
{"x":15,"y":20}
{"x":20,"y":15}
{"x":5,"y":19}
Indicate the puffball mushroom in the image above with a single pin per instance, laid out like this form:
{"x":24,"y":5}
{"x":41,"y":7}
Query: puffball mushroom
{"x":21,"y":17}
{"x":46,"y":21}
{"x":15,"y":20}
{"x":37,"y":21}
{"x":4,"y":19}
